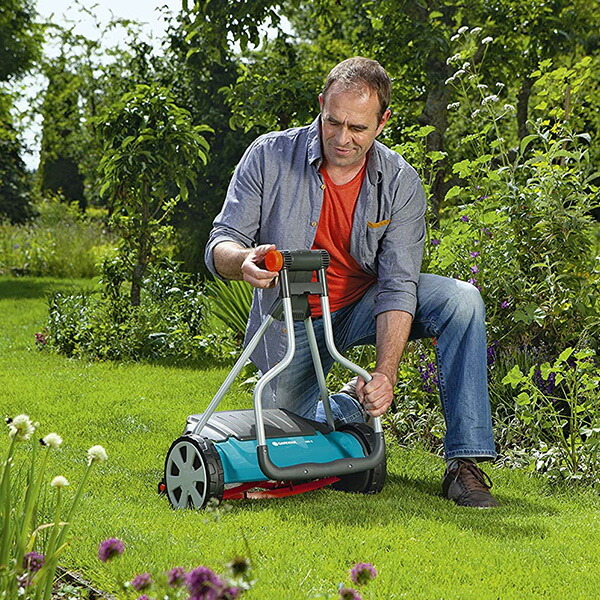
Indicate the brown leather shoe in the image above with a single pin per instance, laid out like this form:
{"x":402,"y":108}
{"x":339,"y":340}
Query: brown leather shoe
{"x":468,"y":485}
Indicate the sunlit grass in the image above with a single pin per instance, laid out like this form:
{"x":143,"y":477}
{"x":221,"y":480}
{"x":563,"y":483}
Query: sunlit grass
{"x":541,"y":543}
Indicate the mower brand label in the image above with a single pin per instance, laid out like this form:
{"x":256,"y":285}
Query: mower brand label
{"x":290,"y":443}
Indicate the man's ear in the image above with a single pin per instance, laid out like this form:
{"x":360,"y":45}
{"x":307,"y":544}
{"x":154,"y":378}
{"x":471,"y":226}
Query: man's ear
{"x":321,"y":101}
{"x":384,"y":119}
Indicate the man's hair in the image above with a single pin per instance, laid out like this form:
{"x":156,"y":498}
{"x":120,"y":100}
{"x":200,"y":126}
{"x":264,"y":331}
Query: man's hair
{"x":359,"y":72}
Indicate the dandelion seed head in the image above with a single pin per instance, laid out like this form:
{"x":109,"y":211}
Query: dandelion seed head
{"x":52,"y":440}
{"x":20,"y":428}
{"x":59,"y":482}
{"x":97,"y":454}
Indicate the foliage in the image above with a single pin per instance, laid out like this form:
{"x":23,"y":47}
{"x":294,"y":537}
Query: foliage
{"x":60,"y":241}
{"x":558,"y":403}
{"x":30,"y":549}
{"x":230,"y":302}
{"x":167,"y":324}
{"x":20,"y":38}
{"x":15,"y":187}
{"x":150,"y":144}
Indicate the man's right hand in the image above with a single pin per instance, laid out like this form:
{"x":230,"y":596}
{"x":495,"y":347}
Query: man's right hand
{"x":253,"y":270}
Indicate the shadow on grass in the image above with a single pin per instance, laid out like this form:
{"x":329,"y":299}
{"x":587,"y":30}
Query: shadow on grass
{"x":405,"y":500}
{"x":34,"y":288}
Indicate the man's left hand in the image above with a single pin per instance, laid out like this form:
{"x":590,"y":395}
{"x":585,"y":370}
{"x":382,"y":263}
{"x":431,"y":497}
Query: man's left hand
{"x":377,"y":395}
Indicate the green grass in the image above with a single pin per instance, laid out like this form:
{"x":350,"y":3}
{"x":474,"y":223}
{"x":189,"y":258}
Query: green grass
{"x":541,"y":543}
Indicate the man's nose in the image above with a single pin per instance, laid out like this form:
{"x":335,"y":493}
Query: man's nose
{"x":343,"y":136}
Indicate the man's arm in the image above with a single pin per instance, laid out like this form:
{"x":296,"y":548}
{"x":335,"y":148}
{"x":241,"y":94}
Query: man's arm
{"x":393,"y":329}
{"x":233,"y":261}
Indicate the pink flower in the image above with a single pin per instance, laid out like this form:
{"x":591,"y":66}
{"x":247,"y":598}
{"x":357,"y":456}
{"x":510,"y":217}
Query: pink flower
{"x":110,"y":548}
{"x":362,"y":573}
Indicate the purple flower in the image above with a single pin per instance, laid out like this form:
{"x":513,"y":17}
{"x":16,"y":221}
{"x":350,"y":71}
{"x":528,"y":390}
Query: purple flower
{"x":473,"y":281}
{"x":230,"y":593}
{"x":505,"y":304}
{"x":435,"y":242}
{"x":33,"y":562}
{"x":474,"y":254}
{"x":40,"y":339}
{"x":362,"y":573}
{"x":349,"y":594}
{"x":464,"y":219}
{"x":110,"y":548}
{"x":491,"y":353}
{"x":143,"y":597}
{"x":203,"y":584}
{"x":474,"y":269}
{"x":487,"y":232}
{"x":141,"y":581}
{"x":176,"y":577}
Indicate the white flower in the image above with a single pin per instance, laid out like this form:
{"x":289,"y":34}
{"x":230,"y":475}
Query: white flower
{"x":475,"y":113}
{"x":454,"y":38}
{"x":509,"y":107}
{"x":466,"y":65}
{"x":97,"y":454}
{"x":499,"y":84}
{"x":59,"y":482}
{"x":449,"y":80}
{"x":453,"y":105}
{"x":482,"y":86}
{"x":459,"y":73}
{"x":475,"y":30}
{"x":20,"y":428}
{"x":489,"y":99}
{"x":454,"y":58}
{"x":53,"y":440}
{"x":463,"y":29}
{"x":487,"y":40}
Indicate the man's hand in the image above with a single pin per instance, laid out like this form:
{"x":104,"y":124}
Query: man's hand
{"x":253,"y":270}
{"x":377,"y":395}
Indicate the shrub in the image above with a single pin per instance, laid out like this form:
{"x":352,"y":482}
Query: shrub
{"x":60,"y":241}
{"x":168,"y":323}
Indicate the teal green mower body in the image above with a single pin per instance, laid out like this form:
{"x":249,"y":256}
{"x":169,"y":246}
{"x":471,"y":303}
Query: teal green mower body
{"x":267,"y":453}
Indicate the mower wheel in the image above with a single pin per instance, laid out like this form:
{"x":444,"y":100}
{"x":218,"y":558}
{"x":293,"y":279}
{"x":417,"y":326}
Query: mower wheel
{"x":193,"y":472}
{"x":367,"y":482}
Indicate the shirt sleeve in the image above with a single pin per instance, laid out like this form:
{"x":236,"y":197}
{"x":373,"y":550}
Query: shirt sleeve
{"x":401,"y":248}
{"x":239,"y":218}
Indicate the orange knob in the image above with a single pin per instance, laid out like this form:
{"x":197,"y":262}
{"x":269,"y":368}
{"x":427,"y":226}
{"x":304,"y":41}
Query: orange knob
{"x":274,"y":261}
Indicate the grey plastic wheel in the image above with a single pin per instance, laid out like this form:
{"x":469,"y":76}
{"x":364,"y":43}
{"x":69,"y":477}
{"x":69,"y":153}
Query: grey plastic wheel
{"x":193,"y":472}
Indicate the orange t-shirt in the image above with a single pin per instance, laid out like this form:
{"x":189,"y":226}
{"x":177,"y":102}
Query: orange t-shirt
{"x":346,"y":280}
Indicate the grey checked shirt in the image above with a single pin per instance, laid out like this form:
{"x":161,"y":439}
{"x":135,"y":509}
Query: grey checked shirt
{"x":275,"y":197}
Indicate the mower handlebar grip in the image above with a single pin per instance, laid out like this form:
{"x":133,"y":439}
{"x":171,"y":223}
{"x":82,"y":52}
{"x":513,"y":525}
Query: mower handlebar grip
{"x":296,"y":260}
{"x":339,"y":467}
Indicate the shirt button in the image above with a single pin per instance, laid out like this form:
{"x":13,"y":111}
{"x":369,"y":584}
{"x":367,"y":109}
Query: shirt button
{"x":313,"y":224}
{"x":284,"y":330}
{"x":323,"y":186}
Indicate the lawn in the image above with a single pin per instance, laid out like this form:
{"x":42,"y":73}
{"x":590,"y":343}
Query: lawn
{"x":543,"y":542}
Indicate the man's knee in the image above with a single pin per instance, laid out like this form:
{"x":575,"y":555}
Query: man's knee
{"x":466,"y":302}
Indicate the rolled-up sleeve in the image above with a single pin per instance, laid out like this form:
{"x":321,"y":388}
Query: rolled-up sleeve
{"x":401,"y":249}
{"x":239,"y":218}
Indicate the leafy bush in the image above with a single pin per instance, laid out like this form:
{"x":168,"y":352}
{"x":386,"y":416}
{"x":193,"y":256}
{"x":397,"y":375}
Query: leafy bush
{"x":167,"y":323}
{"x":60,"y":241}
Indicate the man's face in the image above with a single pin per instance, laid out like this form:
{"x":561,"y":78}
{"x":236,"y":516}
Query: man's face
{"x":349,"y":125}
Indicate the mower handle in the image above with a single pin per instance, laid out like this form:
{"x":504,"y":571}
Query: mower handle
{"x":311,"y":470}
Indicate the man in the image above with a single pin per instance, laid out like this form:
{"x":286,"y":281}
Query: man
{"x":331,"y":185}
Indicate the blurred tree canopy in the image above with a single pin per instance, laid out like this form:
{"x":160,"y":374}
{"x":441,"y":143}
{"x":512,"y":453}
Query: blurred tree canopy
{"x":245,"y":67}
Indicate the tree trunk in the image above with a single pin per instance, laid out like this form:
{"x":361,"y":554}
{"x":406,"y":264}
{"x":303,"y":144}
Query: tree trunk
{"x":143,"y":255}
{"x":435,"y":113}
{"x":523,"y":106}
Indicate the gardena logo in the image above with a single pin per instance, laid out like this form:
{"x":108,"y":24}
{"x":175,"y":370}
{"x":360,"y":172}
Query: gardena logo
{"x":291,"y":442}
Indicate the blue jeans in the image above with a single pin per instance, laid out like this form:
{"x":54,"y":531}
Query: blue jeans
{"x":447,"y":309}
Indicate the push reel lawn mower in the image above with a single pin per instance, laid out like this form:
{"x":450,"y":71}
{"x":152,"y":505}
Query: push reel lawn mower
{"x":264,"y":453}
